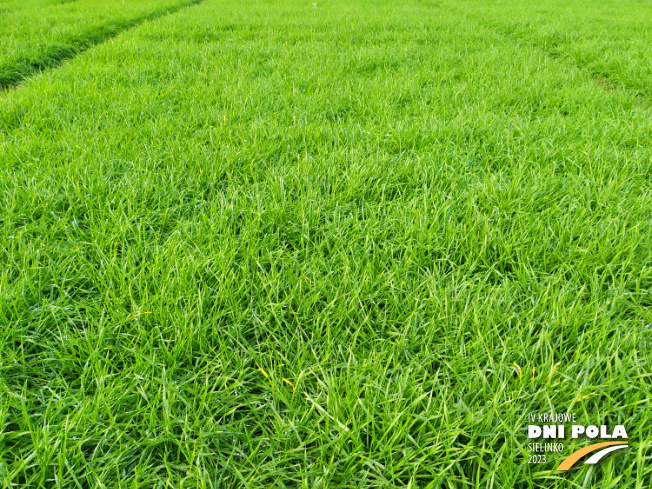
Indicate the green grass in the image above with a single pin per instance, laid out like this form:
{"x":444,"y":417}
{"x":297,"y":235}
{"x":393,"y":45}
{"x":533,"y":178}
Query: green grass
{"x":40,"y":34}
{"x":609,"y":39}
{"x":386,"y":204}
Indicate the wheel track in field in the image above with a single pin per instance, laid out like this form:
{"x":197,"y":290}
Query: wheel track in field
{"x":605,"y":79}
{"x":13,"y":74}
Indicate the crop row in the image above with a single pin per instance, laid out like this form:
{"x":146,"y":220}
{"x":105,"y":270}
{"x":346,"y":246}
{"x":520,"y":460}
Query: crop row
{"x":610,"y":39}
{"x":39,"y":34}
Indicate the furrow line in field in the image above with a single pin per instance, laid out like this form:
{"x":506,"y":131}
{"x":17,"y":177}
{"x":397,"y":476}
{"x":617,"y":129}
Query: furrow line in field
{"x":603,"y":78}
{"x":12,"y":74}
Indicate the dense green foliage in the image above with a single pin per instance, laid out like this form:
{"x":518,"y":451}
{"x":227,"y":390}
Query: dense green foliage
{"x":268,"y":244}
{"x":609,"y":39}
{"x":37,"y":34}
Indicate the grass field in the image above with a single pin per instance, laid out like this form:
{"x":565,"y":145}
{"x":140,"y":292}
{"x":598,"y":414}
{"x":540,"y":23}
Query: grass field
{"x":38,"y":34}
{"x":610,"y":40}
{"x":268,"y":244}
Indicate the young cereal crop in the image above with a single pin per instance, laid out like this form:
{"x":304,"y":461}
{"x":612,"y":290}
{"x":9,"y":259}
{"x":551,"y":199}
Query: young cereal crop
{"x":343,"y":245}
{"x":38,"y":34}
{"x":609,"y":39}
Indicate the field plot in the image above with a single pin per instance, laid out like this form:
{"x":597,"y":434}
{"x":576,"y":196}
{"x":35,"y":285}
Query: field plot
{"x":37,"y":34}
{"x":272,"y":244}
{"x":610,"y":39}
